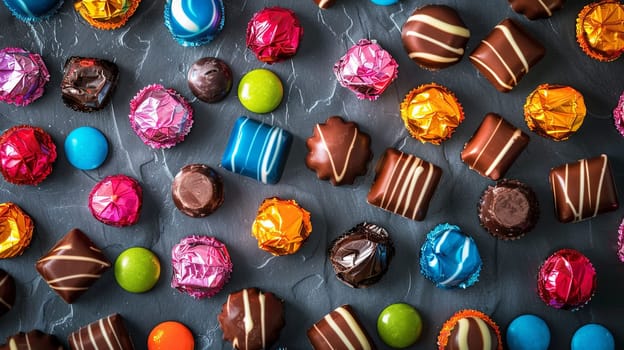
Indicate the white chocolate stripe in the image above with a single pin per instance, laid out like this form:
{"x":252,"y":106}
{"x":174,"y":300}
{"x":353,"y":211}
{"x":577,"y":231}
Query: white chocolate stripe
{"x":498,"y":79}
{"x":324,"y":337}
{"x":433,"y":57}
{"x":343,"y":337}
{"x":386,"y":190}
{"x":270,"y":153}
{"x":485,"y":333}
{"x":69,"y":288}
{"x":247,"y":318}
{"x":110,"y":324}
{"x":548,"y":11}
{"x":567,"y":195}
{"x":28,"y":342}
{"x":503,"y":62}
{"x":354,"y":327}
{"x":74,"y":258}
{"x":425,"y":188}
{"x":70,"y":277}
{"x":603,"y":171}
{"x":105,"y":334}
{"x":455,"y":50}
{"x":440,"y":25}
{"x":92,"y":338}
{"x":503,"y":151}
{"x":407,"y":188}
{"x":262,"y":302}
{"x":340,"y":176}
{"x":487,"y":143}
{"x":514,"y":45}
{"x":463,"y":326}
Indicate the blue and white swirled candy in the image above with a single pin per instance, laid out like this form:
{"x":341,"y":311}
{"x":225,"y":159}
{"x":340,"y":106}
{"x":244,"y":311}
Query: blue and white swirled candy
{"x":33,"y":10}
{"x":194,"y":22}
{"x":450,"y":258}
{"x":257,"y":150}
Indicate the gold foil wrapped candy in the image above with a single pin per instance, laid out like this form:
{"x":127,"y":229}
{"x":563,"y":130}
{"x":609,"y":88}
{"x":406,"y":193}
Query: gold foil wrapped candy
{"x":554,"y":111}
{"x":600,"y":30}
{"x":431,"y":113}
{"x":16,"y":229}
{"x":106,"y":14}
{"x":281,"y":226}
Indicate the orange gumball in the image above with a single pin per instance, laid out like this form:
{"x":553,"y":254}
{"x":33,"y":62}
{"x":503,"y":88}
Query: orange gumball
{"x":170,"y":335}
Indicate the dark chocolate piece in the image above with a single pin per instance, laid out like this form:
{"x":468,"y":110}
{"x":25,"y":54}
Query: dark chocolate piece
{"x":494,"y":147}
{"x":197,"y":190}
{"x":506,"y":55}
{"x":340,"y":330}
{"x":210,"y":79}
{"x":361,"y":256}
{"x":108,"y":333}
{"x":7,"y":292}
{"x":535,"y":9}
{"x":72,"y":265}
{"x":435,"y":37}
{"x":325,"y":4}
{"x":88,"y":83}
{"x":252,"y":319}
{"x":404,"y":184}
{"x":473,"y":332}
{"x":33,"y":340}
{"x":338,"y":151}
{"x":583,"y":189}
{"x":509,"y":209}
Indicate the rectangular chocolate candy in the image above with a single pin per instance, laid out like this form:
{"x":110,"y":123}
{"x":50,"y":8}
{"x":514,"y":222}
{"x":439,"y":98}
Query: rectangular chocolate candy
{"x":340,"y":330}
{"x":404,"y":184}
{"x":583,"y":189}
{"x":108,"y":333}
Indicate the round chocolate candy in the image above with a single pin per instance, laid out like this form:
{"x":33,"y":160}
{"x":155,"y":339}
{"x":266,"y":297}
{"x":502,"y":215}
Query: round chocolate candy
{"x":194,"y":22}
{"x":86,"y":148}
{"x":23,"y":76}
{"x":137,"y":270}
{"x":508,"y":210}
{"x":470,"y":329}
{"x":116,"y":200}
{"x":33,"y":10}
{"x":554,"y":111}
{"x":27,"y":154}
{"x":170,"y":335}
{"x":210,"y":79}
{"x":435,"y":37}
{"x":528,"y":332}
{"x":106,"y":14}
{"x":273,"y":34}
{"x":399,"y":325}
{"x":618,"y":115}
{"x":88,"y":83}
{"x":260,"y":91}
{"x":7,"y":292}
{"x":592,"y":336}
{"x":197,"y":190}
{"x":599,"y":28}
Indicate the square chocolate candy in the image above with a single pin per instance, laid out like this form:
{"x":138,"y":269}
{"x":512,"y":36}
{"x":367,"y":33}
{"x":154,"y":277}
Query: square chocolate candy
{"x":88,"y":83}
{"x":338,"y":330}
{"x":506,"y":55}
{"x":494,"y":147}
{"x":106,"y":333}
{"x":583,"y":189}
{"x":404,"y":184}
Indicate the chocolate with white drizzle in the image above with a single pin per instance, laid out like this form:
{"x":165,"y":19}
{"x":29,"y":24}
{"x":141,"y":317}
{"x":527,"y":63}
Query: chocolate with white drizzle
{"x":33,"y":340}
{"x":108,"y":333}
{"x":340,"y":330}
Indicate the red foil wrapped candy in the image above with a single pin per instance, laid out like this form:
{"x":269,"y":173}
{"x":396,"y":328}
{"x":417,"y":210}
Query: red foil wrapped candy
{"x":566,"y":280}
{"x":23,"y":76}
{"x":116,"y":200}
{"x":26,"y":155}
{"x":273,"y":34}
{"x":366,"y":69}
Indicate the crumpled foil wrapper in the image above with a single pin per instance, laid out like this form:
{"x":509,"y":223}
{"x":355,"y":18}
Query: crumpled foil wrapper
{"x":27,"y":154}
{"x":16,"y":229}
{"x":201,"y":266}
{"x":23,"y":76}
{"x":600,"y":30}
{"x":620,"y":246}
{"x":106,"y":14}
{"x":273,"y":34}
{"x":281,"y":226}
{"x":554,"y":111}
{"x":160,"y":117}
{"x":116,"y":200}
{"x":566,"y":280}
{"x":618,"y":115}
{"x":431,"y":113}
{"x":451,"y":323}
{"x":366,"y":69}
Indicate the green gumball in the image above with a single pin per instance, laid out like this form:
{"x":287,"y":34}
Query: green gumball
{"x":260,"y":91}
{"x":137,"y":270}
{"x":399,"y":325}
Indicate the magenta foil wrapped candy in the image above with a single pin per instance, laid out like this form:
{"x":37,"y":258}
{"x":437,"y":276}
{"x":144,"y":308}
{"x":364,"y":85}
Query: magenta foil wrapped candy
{"x":620,"y":246}
{"x":618,"y":115}
{"x":23,"y":76}
{"x":201,"y":266}
{"x":160,"y":117}
{"x":366,"y":69}
{"x":116,"y":200}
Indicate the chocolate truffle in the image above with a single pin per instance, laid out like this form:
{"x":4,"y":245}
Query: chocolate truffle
{"x":536,"y":9}
{"x":27,"y":154}
{"x":197,"y":190}
{"x":583,"y":189}
{"x":470,"y":329}
{"x":106,"y":333}
{"x":252,"y":319}
{"x":554,"y":111}
{"x":88,"y":83}
{"x":509,"y":209}
{"x":116,"y":200}
{"x":194,"y":22}
{"x":281,"y":226}
{"x":362,"y":255}
{"x":23,"y":76}
{"x":7,"y":292}
{"x":16,"y":230}
{"x":404,"y":184}
{"x":506,"y":55}
{"x":324,"y":4}
{"x":338,"y":151}
{"x":340,"y":330}
{"x":599,"y":30}
{"x":33,"y":340}
{"x":435,"y":37}
{"x":494,"y":147}
{"x":210,"y":79}
{"x":106,"y":14}
{"x":72,"y":265}
{"x":273,"y":34}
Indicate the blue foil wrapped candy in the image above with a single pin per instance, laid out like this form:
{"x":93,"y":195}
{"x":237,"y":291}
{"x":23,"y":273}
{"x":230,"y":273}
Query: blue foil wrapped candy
{"x":194,"y":22}
{"x":33,"y":10}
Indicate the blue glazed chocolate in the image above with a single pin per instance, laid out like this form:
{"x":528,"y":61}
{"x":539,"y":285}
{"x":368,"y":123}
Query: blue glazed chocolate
{"x":194,"y":22}
{"x":449,"y":258}
{"x":86,"y":148}
{"x":385,"y":2}
{"x":257,"y":150}
{"x":33,"y":10}
{"x":528,"y":332}
{"x":592,"y":336}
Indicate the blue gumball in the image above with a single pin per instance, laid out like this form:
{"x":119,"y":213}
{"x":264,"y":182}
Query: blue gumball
{"x":528,"y":332}
{"x":86,"y":148}
{"x":592,"y":336}
{"x":384,"y":2}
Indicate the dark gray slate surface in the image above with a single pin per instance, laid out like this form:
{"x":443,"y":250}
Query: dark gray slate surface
{"x":146,"y":54}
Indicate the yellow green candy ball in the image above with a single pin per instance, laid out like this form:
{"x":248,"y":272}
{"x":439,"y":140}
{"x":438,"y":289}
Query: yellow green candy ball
{"x":260,"y":91}
{"x":137,"y":270}
{"x":399,"y":325}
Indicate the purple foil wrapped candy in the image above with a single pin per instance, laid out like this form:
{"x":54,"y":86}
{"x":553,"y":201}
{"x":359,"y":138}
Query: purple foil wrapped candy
{"x":23,"y":76}
{"x":620,"y":250}
{"x":201,"y":266}
{"x":160,"y":117}
{"x":366,"y":69}
{"x":618,"y":115}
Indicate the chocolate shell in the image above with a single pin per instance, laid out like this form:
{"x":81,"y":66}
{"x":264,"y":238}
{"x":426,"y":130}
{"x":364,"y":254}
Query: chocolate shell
{"x":197,"y":190}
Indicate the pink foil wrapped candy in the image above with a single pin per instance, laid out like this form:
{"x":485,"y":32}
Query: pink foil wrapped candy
{"x":160,"y":117}
{"x":273,"y":34}
{"x":618,"y":115}
{"x":23,"y":76}
{"x":116,"y":200}
{"x":201,"y":266}
{"x":26,"y":155}
{"x":366,"y":69}
{"x":620,"y":251}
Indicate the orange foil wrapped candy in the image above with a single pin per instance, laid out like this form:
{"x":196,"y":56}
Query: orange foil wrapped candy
{"x":106,"y":14}
{"x":554,"y":111}
{"x":600,"y":30}
{"x":431,"y":113}
{"x":16,"y":229}
{"x":281,"y":226}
